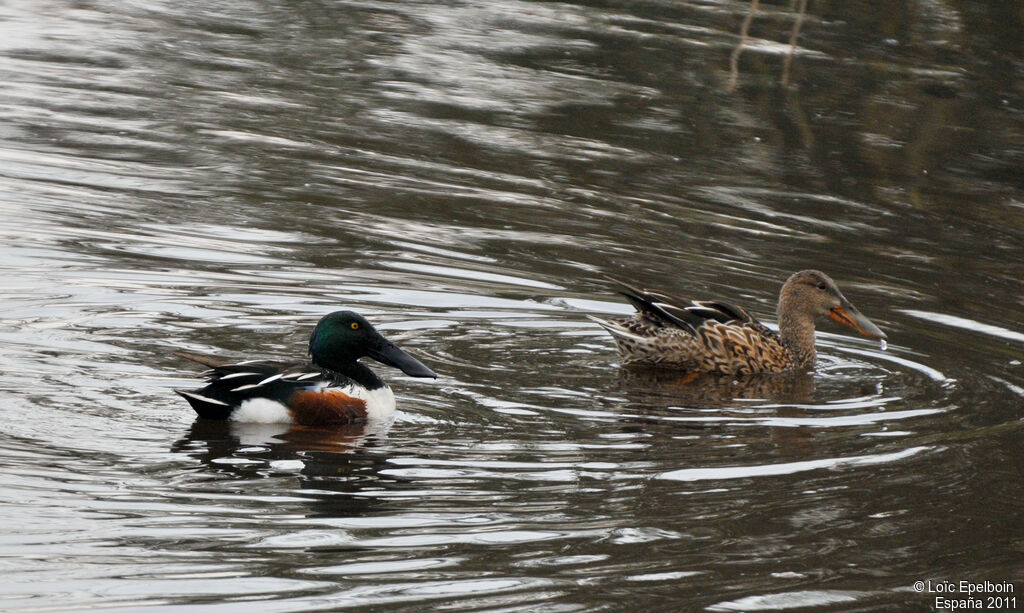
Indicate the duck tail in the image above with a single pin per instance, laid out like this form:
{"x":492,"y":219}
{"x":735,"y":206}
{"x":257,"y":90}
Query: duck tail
{"x":206,"y":407}
{"x":616,"y":329}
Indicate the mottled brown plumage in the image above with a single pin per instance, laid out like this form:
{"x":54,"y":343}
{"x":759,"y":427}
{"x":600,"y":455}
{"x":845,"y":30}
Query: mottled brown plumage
{"x":717,"y":337}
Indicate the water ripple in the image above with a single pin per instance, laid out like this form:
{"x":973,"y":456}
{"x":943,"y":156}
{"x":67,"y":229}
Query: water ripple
{"x":741,"y":472}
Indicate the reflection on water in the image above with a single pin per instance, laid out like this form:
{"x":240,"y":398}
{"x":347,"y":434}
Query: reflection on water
{"x":215,"y":178}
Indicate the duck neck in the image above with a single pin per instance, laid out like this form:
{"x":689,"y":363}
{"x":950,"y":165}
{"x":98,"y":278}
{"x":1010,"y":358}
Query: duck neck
{"x":359,"y":373}
{"x":797,"y":334}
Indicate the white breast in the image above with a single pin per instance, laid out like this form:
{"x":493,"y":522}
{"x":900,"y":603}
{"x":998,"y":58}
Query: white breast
{"x":380,"y":403}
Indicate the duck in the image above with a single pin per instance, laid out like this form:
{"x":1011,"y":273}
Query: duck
{"x":718,"y":337}
{"x":331,"y":388}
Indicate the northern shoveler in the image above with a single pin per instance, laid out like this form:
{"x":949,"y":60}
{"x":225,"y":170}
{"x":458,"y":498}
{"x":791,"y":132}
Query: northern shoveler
{"x":332,"y":388}
{"x":716,"y":337}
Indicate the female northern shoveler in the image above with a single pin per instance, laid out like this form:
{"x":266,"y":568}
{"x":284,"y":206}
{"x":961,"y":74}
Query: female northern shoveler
{"x":716,"y":337}
{"x":334,"y":388}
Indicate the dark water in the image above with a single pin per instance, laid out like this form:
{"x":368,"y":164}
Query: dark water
{"x":215,"y":176}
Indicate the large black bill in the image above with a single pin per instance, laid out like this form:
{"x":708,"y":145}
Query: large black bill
{"x":391,"y":355}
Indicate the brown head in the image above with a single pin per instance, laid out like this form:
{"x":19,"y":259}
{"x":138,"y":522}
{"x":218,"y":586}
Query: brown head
{"x":809,"y":295}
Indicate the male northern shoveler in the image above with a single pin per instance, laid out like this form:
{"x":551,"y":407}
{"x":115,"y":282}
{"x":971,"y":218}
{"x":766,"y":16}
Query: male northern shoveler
{"x":716,"y":337}
{"x":333,"y":388}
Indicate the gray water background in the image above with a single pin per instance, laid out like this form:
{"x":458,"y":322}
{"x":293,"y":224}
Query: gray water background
{"x":216,"y":176}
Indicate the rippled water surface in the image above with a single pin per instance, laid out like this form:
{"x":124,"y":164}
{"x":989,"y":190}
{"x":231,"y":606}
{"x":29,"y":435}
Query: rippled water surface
{"x":216,"y":176}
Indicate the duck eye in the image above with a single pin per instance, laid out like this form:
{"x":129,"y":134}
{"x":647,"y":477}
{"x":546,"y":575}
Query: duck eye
{"x":355,"y":325}
{"x":822,"y":286}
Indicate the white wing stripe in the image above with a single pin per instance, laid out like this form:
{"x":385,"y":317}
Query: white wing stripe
{"x":270,"y":379}
{"x":236,"y":375}
{"x":205,"y":399}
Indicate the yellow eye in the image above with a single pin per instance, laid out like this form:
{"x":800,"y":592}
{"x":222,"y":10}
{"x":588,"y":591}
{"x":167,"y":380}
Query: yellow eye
{"x":355,"y":325}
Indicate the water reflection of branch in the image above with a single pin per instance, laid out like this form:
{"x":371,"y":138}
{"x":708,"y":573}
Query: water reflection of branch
{"x":734,"y":61}
{"x":792,"y":41}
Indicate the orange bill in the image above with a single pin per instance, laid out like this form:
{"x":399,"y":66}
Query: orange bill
{"x":848,"y":315}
